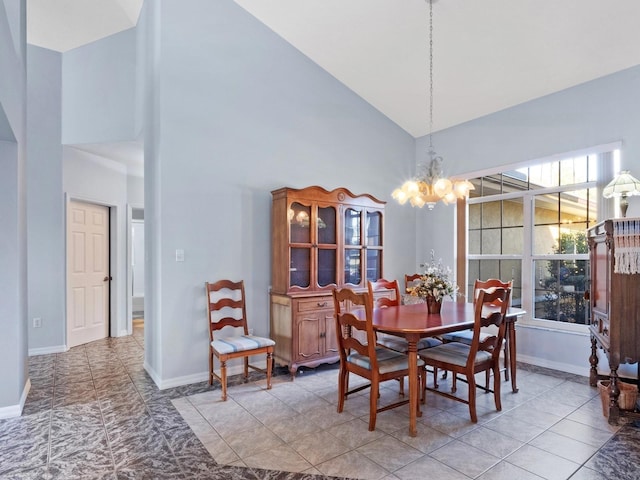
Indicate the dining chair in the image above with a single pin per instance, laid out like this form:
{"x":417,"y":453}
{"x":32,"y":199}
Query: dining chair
{"x":483,"y":354}
{"x":466,"y":336}
{"x":227,"y":310}
{"x":365,"y":358}
{"x":409,"y":279}
{"x":398,"y":344}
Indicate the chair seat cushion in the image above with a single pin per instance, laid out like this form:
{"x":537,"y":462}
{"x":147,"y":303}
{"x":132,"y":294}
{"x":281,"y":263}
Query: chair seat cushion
{"x":240,"y":344}
{"x":464,"y":336}
{"x":400,"y":344}
{"x":388,"y":360}
{"x":454,"y":353}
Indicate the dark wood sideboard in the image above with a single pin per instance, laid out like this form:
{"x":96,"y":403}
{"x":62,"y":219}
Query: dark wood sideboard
{"x":614,"y":314}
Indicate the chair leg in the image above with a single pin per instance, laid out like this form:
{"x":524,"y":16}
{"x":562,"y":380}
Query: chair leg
{"x":507,"y":354}
{"x":269,"y":368}
{"x":401,"y":390}
{"x":435,"y":377}
{"x":471,"y":379}
{"x":210,"y":367}
{"x":454,"y":384}
{"x":246,"y":368}
{"x":223,"y":378}
{"x":373,"y":404}
{"x":343,"y":381}
{"x":487,"y":374}
{"x":496,"y":388}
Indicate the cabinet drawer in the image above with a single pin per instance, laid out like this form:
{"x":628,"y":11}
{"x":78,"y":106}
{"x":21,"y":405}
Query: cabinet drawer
{"x":600,"y":324}
{"x":315,"y":303}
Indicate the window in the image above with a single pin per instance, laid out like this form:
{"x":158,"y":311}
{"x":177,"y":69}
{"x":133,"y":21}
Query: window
{"x":528,"y":225}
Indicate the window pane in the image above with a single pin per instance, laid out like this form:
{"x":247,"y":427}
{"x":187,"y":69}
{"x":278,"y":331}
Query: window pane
{"x":544,"y":175}
{"x":512,"y":240}
{"x":559,"y":292}
{"x":475,"y":216}
{"x":474,"y":242}
{"x":491,"y":214}
{"x":512,"y":213}
{"x":504,"y":270}
{"x":491,"y":241}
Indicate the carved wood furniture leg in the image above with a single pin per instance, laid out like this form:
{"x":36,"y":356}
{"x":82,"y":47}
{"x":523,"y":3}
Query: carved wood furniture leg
{"x":511,"y":339}
{"x":614,"y":410}
{"x":593,"y":360}
{"x":223,"y":376}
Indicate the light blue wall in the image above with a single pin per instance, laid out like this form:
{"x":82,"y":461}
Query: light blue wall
{"x":13,"y":239}
{"x":241,"y":112}
{"x":599,"y":112}
{"x":98,"y":91}
{"x":45,"y":206}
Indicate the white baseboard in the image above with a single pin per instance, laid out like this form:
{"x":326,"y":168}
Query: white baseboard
{"x":47,"y":350}
{"x":195,"y":377}
{"x":16,"y":410}
{"x":563,"y":367}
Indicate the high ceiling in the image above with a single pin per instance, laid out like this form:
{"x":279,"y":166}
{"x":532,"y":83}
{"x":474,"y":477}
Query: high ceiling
{"x":488,"y":54}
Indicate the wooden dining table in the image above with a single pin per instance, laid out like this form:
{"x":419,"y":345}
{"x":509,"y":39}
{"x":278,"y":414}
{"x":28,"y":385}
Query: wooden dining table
{"x":413,"y":322}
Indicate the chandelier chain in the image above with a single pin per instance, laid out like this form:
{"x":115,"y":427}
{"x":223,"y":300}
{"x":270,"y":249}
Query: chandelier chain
{"x":430,"y":72}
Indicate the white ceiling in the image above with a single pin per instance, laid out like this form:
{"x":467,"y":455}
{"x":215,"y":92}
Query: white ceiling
{"x":488,"y":54}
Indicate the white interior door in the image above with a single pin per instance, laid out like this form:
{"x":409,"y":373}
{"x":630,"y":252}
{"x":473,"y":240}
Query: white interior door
{"x":87,"y":273}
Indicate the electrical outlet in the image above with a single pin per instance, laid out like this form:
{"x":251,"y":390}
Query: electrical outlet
{"x":251,"y":331}
{"x":37,"y":322}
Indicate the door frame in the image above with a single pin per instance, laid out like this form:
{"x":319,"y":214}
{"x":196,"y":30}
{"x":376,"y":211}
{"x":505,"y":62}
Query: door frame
{"x":115,"y":285}
{"x":130,"y":208}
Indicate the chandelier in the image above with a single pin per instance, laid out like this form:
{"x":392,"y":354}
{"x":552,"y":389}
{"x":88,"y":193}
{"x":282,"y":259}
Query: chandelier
{"x":429,"y":186}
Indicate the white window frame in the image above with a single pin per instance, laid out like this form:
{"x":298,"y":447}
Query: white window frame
{"x":605,"y":168}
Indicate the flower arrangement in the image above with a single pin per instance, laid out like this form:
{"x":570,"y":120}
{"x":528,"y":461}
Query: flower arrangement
{"x":435,"y":282}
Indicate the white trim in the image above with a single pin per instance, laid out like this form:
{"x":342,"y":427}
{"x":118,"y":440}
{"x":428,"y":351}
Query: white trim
{"x":13,"y":411}
{"x":48,"y":350}
{"x":563,"y":367}
{"x":607,"y":147}
{"x":237,"y":369}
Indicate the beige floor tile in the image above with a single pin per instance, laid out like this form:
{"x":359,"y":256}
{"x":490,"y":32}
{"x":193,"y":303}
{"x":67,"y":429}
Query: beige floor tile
{"x":319,"y":447}
{"x":464,"y":458}
{"x":282,"y":457}
{"x":507,"y":471}
{"x":355,"y":433}
{"x":251,"y":442}
{"x":581,"y":432}
{"x":427,"y":440}
{"x":543,"y":464}
{"x":390,"y":453}
{"x":353,"y":465}
{"x":492,"y":442}
{"x":564,"y":447}
{"x":291,"y":428}
{"x":428,"y":467}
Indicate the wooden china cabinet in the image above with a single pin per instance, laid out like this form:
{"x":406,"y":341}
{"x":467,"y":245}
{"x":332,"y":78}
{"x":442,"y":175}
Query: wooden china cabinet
{"x":321,"y":240}
{"x":615,"y":311}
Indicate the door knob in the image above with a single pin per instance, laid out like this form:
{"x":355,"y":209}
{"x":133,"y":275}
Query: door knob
{"x":107,"y":278}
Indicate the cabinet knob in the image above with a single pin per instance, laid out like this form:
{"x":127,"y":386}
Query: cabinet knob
{"x":322,"y":304}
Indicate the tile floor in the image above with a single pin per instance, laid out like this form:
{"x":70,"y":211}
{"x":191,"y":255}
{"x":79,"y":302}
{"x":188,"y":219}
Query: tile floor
{"x":94,"y":413}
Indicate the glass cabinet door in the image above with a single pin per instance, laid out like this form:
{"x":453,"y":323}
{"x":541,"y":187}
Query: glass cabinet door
{"x":353,"y":260}
{"x":300,"y":245}
{"x":326,"y":243}
{"x":363,"y":246}
{"x":373,"y":242}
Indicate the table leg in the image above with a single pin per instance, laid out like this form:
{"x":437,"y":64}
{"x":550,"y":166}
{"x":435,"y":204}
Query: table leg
{"x":412,"y":355}
{"x":511,"y":331}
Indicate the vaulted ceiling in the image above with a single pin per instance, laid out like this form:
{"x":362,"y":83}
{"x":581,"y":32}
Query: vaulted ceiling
{"x":488,"y":55}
